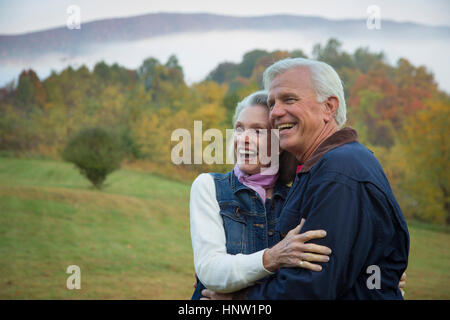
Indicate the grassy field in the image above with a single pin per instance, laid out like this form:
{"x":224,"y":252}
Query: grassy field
{"x":130,"y":240}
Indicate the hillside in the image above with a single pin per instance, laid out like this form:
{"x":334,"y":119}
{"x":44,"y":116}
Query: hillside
{"x":131,"y":240}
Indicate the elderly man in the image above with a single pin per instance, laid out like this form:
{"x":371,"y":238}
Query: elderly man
{"x":341,"y":188}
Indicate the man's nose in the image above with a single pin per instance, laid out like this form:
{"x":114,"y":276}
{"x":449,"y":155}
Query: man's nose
{"x":277,"y":111}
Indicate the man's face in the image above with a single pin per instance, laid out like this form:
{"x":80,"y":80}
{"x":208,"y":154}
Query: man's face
{"x":295,"y":110}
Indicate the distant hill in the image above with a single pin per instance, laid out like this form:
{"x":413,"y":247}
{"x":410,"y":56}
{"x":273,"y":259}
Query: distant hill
{"x":15,"y":48}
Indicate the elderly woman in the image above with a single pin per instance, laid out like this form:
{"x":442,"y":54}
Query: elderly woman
{"x":233,"y":215}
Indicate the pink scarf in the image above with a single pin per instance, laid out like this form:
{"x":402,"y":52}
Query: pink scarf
{"x":257,"y":182}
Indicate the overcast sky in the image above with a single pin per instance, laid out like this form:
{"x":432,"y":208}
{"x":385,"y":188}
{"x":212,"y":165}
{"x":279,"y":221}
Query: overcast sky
{"x":19,"y":16}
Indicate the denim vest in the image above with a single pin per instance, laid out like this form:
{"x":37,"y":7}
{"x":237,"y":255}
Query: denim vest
{"x":249,"y":223}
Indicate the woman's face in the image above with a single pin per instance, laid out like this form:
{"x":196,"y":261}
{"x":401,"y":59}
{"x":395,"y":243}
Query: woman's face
{"x":252,"y":134}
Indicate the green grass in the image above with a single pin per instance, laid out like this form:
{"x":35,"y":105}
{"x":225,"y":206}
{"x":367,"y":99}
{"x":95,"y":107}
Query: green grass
{"x":428,"y":273}
{"x":130,"y":240}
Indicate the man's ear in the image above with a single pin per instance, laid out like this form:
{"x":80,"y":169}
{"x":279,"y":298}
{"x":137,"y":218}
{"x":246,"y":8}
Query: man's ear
{"x":331,"y":106}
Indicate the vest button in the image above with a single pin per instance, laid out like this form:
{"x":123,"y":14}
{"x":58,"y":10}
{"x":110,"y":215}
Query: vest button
{"x":271,"y":232}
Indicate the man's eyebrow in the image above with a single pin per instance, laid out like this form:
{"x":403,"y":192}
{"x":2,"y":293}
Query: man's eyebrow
{"x":284,"y":95}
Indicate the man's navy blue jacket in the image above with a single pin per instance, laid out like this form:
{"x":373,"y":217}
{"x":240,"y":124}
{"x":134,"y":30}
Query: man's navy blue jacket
{"x":343,"y":190}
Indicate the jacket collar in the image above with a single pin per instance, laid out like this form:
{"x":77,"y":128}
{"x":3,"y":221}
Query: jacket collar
{"x":236,"y":185}
{"x":337,"y":139}
{"x":280,"y":190}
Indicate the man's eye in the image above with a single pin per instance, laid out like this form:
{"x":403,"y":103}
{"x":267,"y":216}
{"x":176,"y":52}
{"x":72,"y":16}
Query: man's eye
{"x":239,"y":130}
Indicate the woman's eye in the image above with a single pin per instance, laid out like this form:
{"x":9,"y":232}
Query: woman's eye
{"x":239,"y":130}
{"x":260,"y":131}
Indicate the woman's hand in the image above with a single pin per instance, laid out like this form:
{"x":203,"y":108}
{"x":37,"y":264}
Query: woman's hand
{"x":402,"y":283}
{"x":195,"y":282}
{"x":212,"y":295}
{"x":292,"y":251}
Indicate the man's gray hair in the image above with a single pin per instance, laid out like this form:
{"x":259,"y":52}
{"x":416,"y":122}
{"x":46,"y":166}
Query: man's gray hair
{"x":256,"y":98}
{"x":324,"y":78}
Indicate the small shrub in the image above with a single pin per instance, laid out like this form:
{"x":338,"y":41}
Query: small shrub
{"x":96,"y":152}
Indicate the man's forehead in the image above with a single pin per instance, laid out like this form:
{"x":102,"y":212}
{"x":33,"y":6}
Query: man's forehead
{"x":290,"y":81}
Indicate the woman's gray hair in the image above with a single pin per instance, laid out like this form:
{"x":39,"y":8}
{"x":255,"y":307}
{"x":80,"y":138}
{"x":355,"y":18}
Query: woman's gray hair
{"x":256,"y":98}
{"x":324,"y":78}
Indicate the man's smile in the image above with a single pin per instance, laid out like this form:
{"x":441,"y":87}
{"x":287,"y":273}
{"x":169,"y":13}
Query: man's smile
{"x":286,"y":128}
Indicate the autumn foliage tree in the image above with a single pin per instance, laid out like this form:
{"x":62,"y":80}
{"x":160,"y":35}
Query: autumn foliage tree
{"x":426,"y":181}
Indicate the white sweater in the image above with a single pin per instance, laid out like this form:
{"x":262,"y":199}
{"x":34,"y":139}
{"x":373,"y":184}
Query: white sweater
{"x":216,"y":269}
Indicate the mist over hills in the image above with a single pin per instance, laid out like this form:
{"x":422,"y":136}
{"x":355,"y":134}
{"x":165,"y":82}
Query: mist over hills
{"x":201,"y":41}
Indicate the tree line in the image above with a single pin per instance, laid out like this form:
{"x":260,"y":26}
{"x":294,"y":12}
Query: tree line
{"x":399,"y":111}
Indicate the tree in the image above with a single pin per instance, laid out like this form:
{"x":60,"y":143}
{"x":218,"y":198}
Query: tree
{"x":224,"y":72}
{"x":96,"y":152}
{"x":25,"y":91}
{"x":333,"y":55}
{"x":249,"y":61}
{"x":297,"y":54}
{"x":101,"y":70}
{"x":174,"y":71}
{"x":425,"y":143}
{"x":264,"y":62}
{"x":365,"y":60}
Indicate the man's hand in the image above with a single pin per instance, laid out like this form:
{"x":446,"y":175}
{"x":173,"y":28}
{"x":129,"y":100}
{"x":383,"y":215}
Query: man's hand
{"x":293,"y":251}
